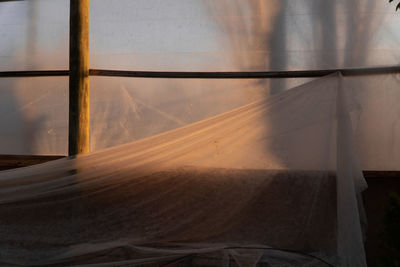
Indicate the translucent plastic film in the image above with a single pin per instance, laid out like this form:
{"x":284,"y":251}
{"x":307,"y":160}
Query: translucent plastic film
{"x":204,"y":35}
{"x":34,"y":118}
{"x":243,"y":35}
{"x":308,"y":34}
{"x":376,"y":119}
{"x":34,"y":34}
{"x":194,"y":35}
{"x":34,"y":115}
{"x":230,"y":185}
{"x":126,"y":109}
{"x":34,"y":111}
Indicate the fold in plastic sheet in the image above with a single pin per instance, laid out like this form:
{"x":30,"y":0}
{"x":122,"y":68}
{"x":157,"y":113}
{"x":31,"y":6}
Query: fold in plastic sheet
{"x":273,"y":181}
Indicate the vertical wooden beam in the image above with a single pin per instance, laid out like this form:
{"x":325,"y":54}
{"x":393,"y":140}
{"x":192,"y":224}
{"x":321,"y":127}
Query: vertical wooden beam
{"x":78,"y":136}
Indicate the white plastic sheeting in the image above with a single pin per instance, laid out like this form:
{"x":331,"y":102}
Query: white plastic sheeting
{"x":308,"y":34}
{"x":34,"y":35}
{"x":193,"y":35}
{"x":35,"y":116}
{"x":205,"y":35}
{"x":261,"y":176}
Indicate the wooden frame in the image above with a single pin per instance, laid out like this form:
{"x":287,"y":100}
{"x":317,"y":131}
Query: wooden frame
{"x":208,"y":75}
{"x":17,"y":161}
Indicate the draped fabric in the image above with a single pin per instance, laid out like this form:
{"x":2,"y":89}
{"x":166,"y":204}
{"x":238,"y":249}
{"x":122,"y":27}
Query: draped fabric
{"x":274,"y":181}
{"x":194,"y":35}
{"x":198,"y":172}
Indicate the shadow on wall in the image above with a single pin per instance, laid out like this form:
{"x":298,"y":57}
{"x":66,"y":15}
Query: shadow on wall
{"x":291,"y":35}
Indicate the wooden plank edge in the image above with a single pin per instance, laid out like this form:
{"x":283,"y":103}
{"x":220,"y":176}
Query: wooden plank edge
{"x":16,"y":161}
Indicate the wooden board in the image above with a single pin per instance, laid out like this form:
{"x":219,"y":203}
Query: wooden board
{"x":17,"y":161}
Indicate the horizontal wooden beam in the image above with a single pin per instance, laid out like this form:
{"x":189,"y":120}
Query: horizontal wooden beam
{"x":244,"y":75}
{"x":208,"y":75}
{"x":382,"y":174}
{"x":33,"y":73}
{"x":16,"y":161}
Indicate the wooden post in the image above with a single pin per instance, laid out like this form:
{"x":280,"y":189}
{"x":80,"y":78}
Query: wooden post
{"x":78,"y":135}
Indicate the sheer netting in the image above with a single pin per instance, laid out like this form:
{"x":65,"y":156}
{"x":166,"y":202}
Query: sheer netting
{"x":275,"y":181}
